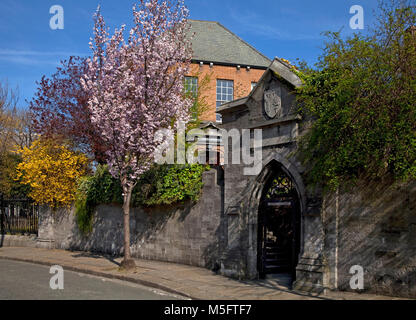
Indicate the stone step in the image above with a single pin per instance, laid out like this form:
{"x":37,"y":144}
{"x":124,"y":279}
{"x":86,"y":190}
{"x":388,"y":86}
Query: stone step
{"x":276,"y":261}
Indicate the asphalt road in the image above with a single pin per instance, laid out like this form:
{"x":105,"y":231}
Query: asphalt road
{"x":27,"y":281}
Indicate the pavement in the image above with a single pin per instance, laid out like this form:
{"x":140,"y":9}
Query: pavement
{"x":182,"y":280}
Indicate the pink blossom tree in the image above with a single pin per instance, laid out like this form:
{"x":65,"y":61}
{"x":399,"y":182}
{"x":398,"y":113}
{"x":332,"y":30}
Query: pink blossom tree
{"x":136,"y":87}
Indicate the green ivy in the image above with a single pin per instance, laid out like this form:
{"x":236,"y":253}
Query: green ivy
{"x":83,"y":214}
{"x":101,"y":188}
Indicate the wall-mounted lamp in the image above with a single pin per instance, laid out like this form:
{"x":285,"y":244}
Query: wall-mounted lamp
{"x":211,"y":65}
{"x":238,"y":67}
{"x":248,"y":68}
{"x":201,"y":64}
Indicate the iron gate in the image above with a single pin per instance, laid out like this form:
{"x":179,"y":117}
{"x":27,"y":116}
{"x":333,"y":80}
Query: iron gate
{"x":278,"y":231}
{"x":278,"y":227}
{"x":18,"y":216}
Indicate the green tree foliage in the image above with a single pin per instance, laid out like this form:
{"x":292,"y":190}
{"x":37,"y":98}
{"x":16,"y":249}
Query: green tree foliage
{"x":9,"y":186}
{"x":361,"y":97}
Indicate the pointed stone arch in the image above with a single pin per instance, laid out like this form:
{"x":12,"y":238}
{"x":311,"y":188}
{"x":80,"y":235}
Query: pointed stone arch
{"x":290,"y":169}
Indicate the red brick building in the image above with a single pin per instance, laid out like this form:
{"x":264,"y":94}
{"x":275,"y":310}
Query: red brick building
{"x":228,"y":66}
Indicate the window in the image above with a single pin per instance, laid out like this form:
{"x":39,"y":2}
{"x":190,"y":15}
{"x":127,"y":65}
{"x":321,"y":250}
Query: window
{"x":191,"y":88}
{"x":191,"y":85}
{"x":225,"y":91}
{"x":253,"y":84}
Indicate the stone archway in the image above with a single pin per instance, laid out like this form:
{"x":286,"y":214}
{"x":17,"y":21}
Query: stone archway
{"x":278,"y":243}
{"x":269,"y":169}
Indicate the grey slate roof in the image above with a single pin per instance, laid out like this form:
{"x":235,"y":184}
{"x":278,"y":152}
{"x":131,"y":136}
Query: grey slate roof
{"x":212,"y":42}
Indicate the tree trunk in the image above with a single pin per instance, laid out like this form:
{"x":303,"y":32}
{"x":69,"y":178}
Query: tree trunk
{"x":128,"y":262}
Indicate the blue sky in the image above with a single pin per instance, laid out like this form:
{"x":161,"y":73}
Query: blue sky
{"x":287,"y":29}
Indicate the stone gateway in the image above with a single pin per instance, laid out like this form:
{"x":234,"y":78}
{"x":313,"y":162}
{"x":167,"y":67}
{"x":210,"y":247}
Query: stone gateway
{"x":273,"y":223}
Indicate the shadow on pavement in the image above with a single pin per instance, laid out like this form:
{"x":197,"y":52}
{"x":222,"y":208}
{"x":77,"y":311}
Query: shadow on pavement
{"x":95,"y":256}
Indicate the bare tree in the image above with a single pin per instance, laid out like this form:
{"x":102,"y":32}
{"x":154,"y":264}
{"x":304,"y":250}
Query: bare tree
{"x":8,"y":105}
{"x":15,"y":123}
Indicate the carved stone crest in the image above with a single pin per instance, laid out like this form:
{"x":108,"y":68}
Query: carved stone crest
{"x":272,"y":102}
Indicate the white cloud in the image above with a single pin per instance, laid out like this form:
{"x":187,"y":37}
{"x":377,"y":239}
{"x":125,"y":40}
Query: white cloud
{"x":32,"y":57}
{"x":37,"y":53}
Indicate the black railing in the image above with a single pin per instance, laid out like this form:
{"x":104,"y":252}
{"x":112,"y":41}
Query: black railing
{"x":18,"y":216}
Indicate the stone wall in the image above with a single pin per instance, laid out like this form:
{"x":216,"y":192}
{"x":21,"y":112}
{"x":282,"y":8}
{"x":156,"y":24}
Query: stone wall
{"x":188,"y":234}
{"x":373,"y":226}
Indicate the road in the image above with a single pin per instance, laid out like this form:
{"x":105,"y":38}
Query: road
{"x":24,"y":281}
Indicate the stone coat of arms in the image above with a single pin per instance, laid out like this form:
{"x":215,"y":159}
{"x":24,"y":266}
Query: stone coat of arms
{"x":272,"y":103}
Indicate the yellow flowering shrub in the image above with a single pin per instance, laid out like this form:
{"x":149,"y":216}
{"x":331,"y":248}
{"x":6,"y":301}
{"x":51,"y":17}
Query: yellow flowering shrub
{"x":52,"y":172}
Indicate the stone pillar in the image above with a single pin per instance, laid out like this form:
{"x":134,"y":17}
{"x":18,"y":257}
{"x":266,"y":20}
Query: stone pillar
{"x":46,"y":236}
{"x":310,"y":268}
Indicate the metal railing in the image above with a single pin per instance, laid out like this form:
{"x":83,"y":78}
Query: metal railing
{"x":18,"y":216}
